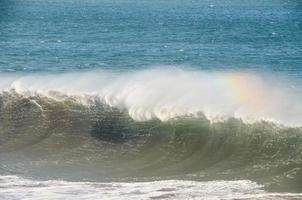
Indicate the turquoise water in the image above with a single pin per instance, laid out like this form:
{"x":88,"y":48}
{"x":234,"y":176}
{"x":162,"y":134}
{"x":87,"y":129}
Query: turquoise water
{"x":162,"y":99}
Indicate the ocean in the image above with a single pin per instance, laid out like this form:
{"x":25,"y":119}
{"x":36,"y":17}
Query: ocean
{"x":140,"y":99}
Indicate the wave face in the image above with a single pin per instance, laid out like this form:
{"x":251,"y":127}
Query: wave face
{"x":150,"y":125}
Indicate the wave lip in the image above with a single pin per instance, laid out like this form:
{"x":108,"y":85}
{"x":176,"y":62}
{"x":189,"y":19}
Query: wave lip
{"x":169,"y":93}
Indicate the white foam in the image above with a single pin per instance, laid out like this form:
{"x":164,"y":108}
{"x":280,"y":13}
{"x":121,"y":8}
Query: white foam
{"x":14,"y":188}
{"x":168,"y":93}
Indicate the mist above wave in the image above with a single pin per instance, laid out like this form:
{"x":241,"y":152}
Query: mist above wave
{"x":171,"y":92}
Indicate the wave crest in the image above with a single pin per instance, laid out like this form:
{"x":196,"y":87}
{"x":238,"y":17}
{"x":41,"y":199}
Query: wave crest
{"x":168,"y":93}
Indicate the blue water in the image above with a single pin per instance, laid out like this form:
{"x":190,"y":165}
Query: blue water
{"x":64,"y":35}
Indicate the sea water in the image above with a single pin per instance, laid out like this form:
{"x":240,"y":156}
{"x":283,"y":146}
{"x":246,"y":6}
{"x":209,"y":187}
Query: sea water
{"x":131,"y":99}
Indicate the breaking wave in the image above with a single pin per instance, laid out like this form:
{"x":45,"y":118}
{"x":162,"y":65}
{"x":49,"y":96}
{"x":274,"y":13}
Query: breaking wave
{"x":151,"y":124}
